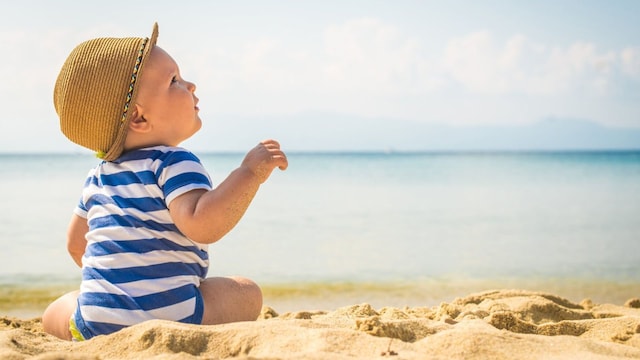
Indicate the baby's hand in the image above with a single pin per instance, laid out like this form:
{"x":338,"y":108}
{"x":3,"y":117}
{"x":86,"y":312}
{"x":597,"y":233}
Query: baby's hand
{"x":265,"y":157}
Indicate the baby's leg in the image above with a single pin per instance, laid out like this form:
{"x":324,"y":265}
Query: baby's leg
{"x":55,"y":319}
{"x":229,"y":300}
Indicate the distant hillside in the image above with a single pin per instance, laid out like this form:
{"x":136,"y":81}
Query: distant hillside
{"x":316,"y":131}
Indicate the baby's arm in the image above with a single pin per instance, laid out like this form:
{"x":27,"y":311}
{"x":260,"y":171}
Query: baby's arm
{"x":76,"y":241}
{"x":206,"y":216}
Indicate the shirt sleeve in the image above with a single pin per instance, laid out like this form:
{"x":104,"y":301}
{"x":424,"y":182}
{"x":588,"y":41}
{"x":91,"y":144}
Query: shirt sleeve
{"x":80,"y":209}
{"x":182,"y":172}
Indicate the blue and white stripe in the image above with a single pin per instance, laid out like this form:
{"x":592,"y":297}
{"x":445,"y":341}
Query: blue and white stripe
{"x":137,"y":264}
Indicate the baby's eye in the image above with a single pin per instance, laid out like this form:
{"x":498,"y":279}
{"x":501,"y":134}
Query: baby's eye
{"x":174,"y":79}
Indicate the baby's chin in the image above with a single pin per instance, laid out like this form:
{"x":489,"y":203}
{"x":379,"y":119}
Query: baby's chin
{"x":198,"y":125}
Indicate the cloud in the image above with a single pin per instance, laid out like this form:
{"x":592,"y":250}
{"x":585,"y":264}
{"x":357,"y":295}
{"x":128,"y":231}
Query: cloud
{"x":580,"y":66}
{"x":369,"y":55}
{"x":630,"y":59}
{"x":481,"y":65}
{"x":363,"y":66}
{"x":370,"y":67}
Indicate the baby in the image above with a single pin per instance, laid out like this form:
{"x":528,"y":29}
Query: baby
{"x":148,"y":211}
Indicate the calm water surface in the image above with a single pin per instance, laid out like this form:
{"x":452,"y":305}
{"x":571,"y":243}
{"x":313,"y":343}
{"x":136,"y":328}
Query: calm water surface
{"x":375,"y":218}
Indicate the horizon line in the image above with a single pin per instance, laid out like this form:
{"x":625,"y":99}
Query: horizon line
{"x":389,"y":151}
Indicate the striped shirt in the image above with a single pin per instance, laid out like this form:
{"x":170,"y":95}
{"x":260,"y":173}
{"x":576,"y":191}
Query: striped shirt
{"x":137,"y":264}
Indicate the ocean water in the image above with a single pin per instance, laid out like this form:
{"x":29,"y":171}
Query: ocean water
{"x":410,"y":227}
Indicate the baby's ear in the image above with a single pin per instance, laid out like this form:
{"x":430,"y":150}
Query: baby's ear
{"x":138,"y":123}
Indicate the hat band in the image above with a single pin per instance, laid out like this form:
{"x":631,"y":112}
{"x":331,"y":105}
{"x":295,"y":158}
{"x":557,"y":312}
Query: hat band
{"x":134,"y":76}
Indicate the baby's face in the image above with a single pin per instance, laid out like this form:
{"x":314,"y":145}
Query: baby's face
{"x":166,"y":100}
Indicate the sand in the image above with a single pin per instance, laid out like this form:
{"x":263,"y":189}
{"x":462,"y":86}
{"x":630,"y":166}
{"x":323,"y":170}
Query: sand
{"x":500,"y":324}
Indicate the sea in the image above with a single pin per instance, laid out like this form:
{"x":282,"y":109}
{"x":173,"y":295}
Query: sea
{"x":385,"y":228}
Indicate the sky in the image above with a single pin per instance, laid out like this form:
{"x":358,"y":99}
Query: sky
{"x":461,"y":64}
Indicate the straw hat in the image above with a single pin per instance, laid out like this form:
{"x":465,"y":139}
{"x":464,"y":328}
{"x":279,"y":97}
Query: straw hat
{"x":95,"y":88}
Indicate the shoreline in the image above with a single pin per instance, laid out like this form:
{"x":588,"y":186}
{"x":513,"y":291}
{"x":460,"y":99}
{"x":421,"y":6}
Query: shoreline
{"x":28,"y":300}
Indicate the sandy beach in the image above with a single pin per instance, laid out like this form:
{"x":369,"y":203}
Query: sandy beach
{"x":496,"y":324}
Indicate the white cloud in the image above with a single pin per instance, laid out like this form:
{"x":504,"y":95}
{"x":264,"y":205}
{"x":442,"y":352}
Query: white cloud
{"x":367,"y":67}
{"x":371,"y":56}
{"x":471,"y":61}
{"x":520,"y":65}
{"x":630,"y":58}
{"x":363,"y":66}
{"x":580,"y":66}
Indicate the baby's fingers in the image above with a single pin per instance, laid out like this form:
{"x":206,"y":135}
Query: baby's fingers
{"x":277,"y":156}
{"x":270,"y":144}
{"x":280,"y":160}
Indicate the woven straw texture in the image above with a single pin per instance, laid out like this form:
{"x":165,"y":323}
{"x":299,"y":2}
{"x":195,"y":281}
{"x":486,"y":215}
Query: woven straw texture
{"x":93,"y":91}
